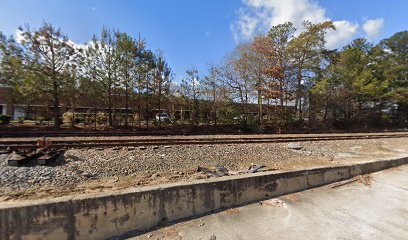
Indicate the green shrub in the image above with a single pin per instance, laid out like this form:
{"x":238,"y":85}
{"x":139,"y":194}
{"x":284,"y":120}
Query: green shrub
{"x":39,"y":120}
{"x":79,"y":119}
{"x":249,"y":124}
{"x":101,"y":117}
{"x":68,"y":117}
{"x":89,"y":119}
{"x":288,"y":121}
{"x":136,"y":117}
{"x":20,"y":119}
{"x":5,"y":119}
{"x":226,"y":116}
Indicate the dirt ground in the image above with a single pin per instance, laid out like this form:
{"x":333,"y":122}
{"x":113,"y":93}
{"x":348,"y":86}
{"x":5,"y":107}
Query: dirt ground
{"x":96,"y":170}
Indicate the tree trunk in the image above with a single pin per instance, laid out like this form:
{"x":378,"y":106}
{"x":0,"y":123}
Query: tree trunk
{"x":243,"y":104}
{"x":298,"y":101}
{"x":194,"y":110}
{"x":110,"y":104}
{"x":159,"y":125}
{"x":246,"y":109}
{"x":56,"y":106}
{"x":147,"y":101}
{"x":268,"y":112}
{"x":260,"y":106}
{"x":95,"y":118}
{"x":312,"y":113}
{"x":73,"y":111}
{"x":298,"y":88}
{"x":214,"y":107}
{"x":326,"y":108}
{"x":139,"y":110}
{"x":281,"y":96}
{"x":26,"y":114}
{"x":126,"y":105}
{"x":300,"y":108}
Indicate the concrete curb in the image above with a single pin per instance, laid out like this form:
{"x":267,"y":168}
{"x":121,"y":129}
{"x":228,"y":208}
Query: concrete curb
{"x":105,"y":215}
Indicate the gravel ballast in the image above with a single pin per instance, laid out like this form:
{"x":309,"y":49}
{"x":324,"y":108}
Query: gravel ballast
{"x":84,"y":170}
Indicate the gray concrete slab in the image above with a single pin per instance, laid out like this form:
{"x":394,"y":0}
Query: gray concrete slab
{"x":374,"y":207}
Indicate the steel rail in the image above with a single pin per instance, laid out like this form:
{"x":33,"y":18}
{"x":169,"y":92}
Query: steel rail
{"x":88,"y":143}
{"x":204,"y":139}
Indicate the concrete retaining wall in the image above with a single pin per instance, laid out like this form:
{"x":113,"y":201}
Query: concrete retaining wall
{"x":105,"y":215}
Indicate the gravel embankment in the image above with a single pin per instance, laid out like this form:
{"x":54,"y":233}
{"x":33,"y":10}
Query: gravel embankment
{"x":79,"y":166}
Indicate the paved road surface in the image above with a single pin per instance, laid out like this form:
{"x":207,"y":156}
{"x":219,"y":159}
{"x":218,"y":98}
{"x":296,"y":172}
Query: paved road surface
{"x":373,"y":207}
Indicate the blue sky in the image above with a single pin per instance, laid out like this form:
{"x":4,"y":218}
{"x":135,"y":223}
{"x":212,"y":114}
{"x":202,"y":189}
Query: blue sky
{"x":199,"y":32}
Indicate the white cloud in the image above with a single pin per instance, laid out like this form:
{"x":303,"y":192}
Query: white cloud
{"x":18,"y":35}
{"x":245,"y":27}
{"x":372,"y":27}
{"x":345,"y":31}
{"x":289,"y":10}
{"x":260,"y":15}
{"x":79,"y":46}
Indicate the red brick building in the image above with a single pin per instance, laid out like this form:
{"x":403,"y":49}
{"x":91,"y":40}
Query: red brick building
{"x":6,"y":104}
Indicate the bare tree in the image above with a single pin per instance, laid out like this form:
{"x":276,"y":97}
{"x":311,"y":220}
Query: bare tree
{"x":191,"y":87}
{"x":234,"y":74}
{"x":212,"y":89}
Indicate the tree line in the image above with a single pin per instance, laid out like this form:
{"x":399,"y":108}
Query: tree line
{"x":288,"y":74}
{"x":295,"y":80}
{"x":45,"y":63}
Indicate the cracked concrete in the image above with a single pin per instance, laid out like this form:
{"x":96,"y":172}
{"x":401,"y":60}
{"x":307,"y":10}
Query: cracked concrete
{"x":371,"y":207}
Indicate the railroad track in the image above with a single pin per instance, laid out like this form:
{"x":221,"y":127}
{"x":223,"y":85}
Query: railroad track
{"x":94,"y":143}
{"x":13,"y":134}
